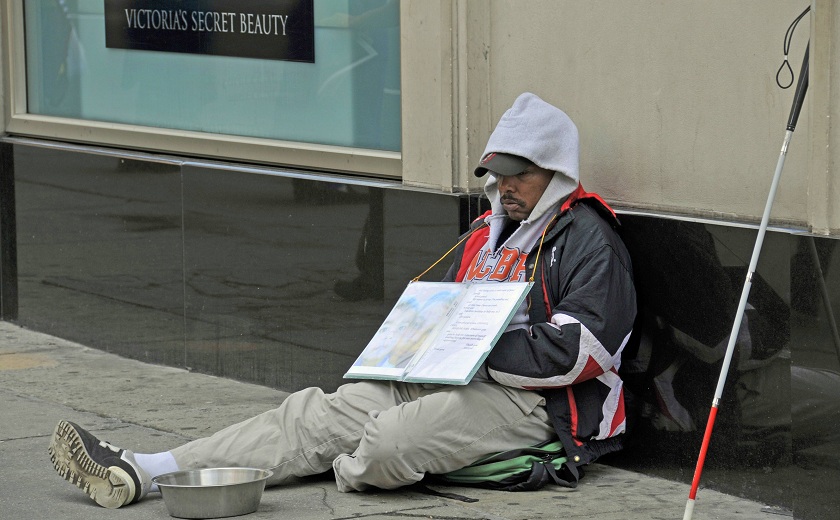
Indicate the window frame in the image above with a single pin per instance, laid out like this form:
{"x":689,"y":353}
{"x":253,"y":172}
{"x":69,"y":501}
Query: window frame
{"x":18,"y":122}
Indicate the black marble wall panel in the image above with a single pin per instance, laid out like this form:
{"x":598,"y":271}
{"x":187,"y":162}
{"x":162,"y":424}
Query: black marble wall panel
{"x":285,"y":276}
{"x":280,"y":279}
{"x":263,"y":254}
{"x":776,"y":435}
{"x":420,"y":231}
{"x":99,"y":251}
{"x":8,"y":235}
{"x":815,"y":377}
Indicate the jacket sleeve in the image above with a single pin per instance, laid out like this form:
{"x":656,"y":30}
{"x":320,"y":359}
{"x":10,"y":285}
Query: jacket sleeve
{"x":584,"y":334}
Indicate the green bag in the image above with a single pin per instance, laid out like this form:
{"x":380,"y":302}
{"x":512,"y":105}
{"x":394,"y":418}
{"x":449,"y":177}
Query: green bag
{"x":524,"y":469}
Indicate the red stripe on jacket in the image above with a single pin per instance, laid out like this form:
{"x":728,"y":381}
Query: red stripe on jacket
{"x":580,"y":194}
{"x":619,"y":416}
{"x":574,"y":415}
{"x":591,"y":370}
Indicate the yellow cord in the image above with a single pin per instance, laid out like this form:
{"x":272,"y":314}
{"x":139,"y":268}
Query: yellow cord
{"x":537,"y":259}
{"x":539,"y":249}
{"x":468,"y":235}
{"x":484,"y":225}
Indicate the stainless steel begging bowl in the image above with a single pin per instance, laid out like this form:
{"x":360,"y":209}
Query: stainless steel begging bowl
{"x":213,"y":492}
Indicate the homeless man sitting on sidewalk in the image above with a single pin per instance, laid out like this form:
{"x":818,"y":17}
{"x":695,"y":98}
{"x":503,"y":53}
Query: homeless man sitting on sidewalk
{"x":552,"y":374}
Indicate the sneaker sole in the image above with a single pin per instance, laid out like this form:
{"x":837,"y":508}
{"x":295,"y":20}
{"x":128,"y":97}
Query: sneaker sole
{"x":109,"y":487}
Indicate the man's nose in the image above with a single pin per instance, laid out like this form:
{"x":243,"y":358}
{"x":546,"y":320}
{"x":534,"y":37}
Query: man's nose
{"x":505,"y":184}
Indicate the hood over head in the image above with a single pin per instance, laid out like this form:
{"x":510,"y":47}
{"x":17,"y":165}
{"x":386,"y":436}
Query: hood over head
{"x":540,"y":133}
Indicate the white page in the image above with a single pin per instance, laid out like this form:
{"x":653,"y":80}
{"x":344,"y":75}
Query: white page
{"x":408,"y":328}
{"x":473,"y":328}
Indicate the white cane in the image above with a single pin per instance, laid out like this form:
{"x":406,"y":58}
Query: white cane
{"x":798,"y":98}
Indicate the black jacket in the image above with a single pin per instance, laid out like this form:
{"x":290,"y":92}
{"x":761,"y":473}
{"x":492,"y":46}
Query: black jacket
{"x":581,"y":310}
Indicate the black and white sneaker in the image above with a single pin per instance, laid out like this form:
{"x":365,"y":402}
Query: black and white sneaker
{"x":109,"y":475}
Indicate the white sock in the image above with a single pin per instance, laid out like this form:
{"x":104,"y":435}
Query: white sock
{"x":156,"y":464}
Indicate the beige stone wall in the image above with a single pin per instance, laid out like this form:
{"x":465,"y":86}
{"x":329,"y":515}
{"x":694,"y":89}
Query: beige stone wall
{"x":823,"y":189}
{"x":3,"y":75}
{"x":676,"y":100}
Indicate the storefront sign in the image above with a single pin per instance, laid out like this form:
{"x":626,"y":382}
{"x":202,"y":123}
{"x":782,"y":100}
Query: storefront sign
{"x":267,"y":29}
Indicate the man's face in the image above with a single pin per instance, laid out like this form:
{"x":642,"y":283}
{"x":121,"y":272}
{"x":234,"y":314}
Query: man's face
{"x":520,"y":193}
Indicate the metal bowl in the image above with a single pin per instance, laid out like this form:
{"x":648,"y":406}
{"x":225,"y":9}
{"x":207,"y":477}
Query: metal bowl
{"x":213,"y":492}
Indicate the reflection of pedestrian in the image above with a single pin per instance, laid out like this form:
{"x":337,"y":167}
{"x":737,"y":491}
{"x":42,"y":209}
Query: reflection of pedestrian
{"x":806,"y":271}
{"x":688,"y":299}
{"x":370,"y":256}
{"x":816,"y":407}
{"x":551,"y":374}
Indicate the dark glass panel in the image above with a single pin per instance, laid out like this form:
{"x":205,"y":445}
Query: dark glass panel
{"x":776,"y":429}
{"x":99,"y":251}
{"x":285,"y":281}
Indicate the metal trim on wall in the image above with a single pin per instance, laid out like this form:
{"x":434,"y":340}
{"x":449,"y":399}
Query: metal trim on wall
{"x":254,"y":150}
{"x":8,"y":235}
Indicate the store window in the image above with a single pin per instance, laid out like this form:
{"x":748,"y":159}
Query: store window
{"x":349,"y":96}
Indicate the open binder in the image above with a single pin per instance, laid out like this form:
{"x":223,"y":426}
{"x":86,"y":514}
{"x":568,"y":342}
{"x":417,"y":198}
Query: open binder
{"x":440,"y":332}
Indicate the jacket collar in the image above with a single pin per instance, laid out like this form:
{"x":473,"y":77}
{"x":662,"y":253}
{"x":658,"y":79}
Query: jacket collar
{"x":579,"y":195}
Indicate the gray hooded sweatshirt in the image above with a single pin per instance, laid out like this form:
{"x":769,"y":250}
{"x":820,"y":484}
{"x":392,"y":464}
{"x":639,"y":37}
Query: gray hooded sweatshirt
{"x":545,"y":135}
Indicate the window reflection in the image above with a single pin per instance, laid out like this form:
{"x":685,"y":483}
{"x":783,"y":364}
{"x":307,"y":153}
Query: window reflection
{"x":350,"y":96}
{"x":782,"y":396}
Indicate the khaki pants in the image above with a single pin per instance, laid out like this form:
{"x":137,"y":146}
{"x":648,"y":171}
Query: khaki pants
{"x":375,"y":433}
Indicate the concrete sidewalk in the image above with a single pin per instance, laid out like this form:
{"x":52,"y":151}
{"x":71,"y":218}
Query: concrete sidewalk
{"x":152,"y":408}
